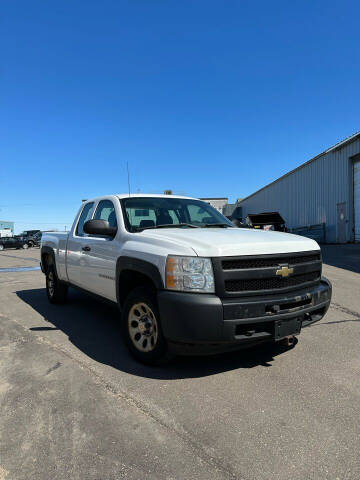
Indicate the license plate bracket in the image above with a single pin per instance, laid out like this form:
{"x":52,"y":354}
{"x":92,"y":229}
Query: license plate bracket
{"x":286,"y":327}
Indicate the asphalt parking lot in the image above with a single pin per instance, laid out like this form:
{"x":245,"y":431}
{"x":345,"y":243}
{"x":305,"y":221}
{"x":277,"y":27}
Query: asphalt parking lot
{"x":74,"y":405}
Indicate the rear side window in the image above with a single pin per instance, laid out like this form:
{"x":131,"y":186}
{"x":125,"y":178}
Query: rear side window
{"x":84,"y":217}
{"x":106,"y":211}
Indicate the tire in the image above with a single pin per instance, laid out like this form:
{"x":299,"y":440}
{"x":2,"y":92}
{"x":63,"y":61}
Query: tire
{"x":144,"y":338}
{"x":55,"y":289}
{"x":25,"y":246}
{"x":1,"y":247}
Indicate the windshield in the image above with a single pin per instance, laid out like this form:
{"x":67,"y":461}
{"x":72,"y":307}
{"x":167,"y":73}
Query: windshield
{"x":141,"y":213}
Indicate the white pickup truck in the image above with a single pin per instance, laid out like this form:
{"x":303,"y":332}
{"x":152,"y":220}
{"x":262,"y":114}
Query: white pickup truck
{"x":185,"y":279}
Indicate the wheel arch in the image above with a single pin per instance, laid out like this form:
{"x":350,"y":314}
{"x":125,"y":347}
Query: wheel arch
{"x":47,"y":259}
{"x":133,"y":272}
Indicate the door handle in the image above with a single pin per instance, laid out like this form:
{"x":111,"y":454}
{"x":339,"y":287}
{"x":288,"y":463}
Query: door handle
{"x":86,"y":249}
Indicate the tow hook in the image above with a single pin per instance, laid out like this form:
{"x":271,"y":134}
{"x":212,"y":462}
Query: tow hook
{"x":288,"y":341}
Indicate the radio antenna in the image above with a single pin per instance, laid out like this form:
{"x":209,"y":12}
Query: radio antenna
{"x":128,"y":175}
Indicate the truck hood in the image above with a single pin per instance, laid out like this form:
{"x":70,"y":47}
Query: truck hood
{"x":221,"y":242}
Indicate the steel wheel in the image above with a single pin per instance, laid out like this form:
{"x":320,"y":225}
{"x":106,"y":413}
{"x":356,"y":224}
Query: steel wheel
{"x":51,"y":283}
{"x":143,"y":327}
{"x":55,"y":289}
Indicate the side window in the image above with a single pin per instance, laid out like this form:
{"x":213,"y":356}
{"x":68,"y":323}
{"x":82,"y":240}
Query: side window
{"x":106,"y":211}
{"x":84,"y":217}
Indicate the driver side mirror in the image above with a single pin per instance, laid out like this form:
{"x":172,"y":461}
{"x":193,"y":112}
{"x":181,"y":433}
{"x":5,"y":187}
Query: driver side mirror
{"x":99,"y":227}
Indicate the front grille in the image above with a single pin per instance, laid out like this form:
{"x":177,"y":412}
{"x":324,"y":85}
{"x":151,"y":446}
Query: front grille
{"x":270,"y":283}
{"x":239,"y":264}
{"x":258,"y":275}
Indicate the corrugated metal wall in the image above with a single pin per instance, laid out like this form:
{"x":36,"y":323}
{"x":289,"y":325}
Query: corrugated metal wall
{"x":310,"y":194}
{"x":357,"y":200}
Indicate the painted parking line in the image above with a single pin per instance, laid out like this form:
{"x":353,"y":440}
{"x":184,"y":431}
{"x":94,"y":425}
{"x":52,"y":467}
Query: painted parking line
{"x":19,"y":269}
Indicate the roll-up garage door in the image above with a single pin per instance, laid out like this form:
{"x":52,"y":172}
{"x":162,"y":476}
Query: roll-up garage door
{"x":357,"y":199}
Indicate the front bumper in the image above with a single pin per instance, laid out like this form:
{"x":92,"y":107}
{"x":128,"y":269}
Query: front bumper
{"x":213,"y":324}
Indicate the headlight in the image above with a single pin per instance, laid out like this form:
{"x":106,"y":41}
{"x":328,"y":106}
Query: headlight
{"x":189,"y":274}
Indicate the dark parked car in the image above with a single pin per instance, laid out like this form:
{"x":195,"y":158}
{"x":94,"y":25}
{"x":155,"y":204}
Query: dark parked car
{"x":13,"y":242}
{"x":236,"y":219}
{"x":29,"y":236}
{"x":35,"y":240}
{"x":28,"y":233}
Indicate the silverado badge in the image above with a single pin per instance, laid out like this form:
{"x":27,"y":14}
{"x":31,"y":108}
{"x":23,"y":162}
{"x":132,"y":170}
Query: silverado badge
{"x":285,"y":271}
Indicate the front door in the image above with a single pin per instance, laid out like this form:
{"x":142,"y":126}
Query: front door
{"x":75,"y":245}
{"x":13,"y":243}
{"x":7,"y":242}
{"x":341,"y":222}
{"x":99,"y":255}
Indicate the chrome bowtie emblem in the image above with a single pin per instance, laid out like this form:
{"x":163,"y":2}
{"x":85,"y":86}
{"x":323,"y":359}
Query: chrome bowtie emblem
{"x":285,"y":271}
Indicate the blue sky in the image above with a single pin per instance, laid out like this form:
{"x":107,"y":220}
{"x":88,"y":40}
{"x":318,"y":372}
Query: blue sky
{"x":208,"y":98}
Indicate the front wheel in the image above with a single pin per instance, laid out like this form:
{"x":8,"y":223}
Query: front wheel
{"x":55,"y":289}
{"x":1,"y":247}
{"x":142,"y":327}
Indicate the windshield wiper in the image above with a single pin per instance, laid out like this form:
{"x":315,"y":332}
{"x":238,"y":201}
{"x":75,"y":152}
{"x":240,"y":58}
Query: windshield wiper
{"x":221,"y":225}
{"x":167,"y":225}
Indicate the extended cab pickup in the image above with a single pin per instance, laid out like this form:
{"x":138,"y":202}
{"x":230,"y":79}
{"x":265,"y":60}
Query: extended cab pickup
{"x":185,"y":279}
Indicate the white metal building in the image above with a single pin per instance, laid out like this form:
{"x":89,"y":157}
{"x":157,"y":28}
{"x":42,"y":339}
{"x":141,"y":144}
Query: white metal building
{"x":217,"y":202}
{"x":324,"y":190}
{"x":6,"y":228}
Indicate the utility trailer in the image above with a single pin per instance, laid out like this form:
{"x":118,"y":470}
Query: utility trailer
{"x":267,"y":221}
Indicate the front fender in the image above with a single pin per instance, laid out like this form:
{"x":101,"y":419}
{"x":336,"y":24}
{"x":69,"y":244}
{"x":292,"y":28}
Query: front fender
{"x":140,"y":266}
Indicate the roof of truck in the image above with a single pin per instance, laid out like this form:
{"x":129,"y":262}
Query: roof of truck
{"x":126,"y":195}
{"x":135,"y":195}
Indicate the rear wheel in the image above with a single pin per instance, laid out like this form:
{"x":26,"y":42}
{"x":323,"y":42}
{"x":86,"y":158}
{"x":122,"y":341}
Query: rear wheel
{"x":1,"y":247}
{"x":55,"y":289}
{"x":25,"y":246}
{"x":142,"y":327}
